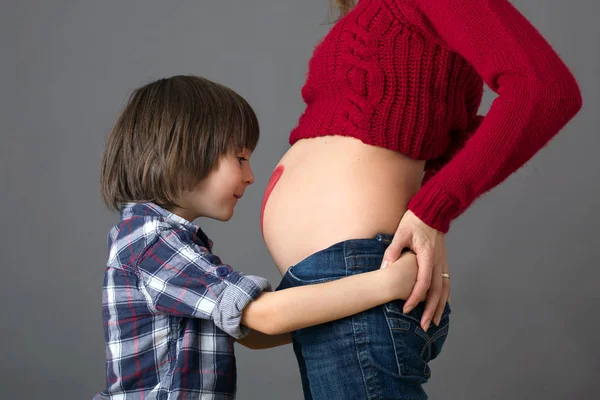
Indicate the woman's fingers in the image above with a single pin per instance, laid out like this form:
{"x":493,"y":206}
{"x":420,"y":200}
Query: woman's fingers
{"x":443,"y":300}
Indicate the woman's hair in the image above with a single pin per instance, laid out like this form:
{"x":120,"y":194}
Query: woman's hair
{"x":169,"y":136}
{"x":342,"y":6}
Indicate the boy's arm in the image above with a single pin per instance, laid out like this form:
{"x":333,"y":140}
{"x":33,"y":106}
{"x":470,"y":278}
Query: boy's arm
{"x":257,"y":340}
{"x":181,"y":278}
{"x":300,"y":307}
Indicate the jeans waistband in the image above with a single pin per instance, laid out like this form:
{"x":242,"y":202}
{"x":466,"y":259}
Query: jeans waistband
{"x":345,"y":258}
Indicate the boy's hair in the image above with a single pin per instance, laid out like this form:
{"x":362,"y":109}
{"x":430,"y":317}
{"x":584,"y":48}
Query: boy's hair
{"x":170,"y":135}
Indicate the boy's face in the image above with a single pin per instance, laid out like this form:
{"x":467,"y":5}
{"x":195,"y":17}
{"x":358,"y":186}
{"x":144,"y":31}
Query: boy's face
{"x":216,"y":195}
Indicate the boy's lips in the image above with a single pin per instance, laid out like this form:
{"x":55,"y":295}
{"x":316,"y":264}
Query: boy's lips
{"x":238,"y":196}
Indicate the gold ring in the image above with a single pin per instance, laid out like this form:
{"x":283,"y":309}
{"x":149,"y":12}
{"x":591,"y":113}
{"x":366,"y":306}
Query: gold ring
{"x":444,"y":275}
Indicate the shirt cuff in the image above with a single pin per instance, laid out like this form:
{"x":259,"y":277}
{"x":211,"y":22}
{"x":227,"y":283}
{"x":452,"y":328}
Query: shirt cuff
{"x":241,"y":289}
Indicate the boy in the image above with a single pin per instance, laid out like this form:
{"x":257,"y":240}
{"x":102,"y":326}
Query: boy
{"x":172,"y":310}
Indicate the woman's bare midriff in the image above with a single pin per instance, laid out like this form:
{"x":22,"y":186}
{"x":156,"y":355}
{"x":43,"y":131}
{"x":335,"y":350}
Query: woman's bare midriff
{"x":334,"y":188}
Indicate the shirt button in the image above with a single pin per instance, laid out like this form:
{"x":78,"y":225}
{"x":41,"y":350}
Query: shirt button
{"x":223,"y":271}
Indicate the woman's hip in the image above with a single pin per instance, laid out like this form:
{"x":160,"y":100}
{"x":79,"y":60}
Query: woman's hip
{"x":380,"y":353}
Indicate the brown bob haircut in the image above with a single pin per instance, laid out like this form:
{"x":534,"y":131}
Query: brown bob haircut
{"x":171,"y":135}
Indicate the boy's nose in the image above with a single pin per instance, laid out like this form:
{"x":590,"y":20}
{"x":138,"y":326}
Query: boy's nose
{"x":249,"y":177}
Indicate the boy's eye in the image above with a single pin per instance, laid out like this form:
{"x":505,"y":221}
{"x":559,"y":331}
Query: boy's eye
{"x":242,"y":159}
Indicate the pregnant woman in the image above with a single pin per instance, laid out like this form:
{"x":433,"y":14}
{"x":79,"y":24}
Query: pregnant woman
{"x":387,"y":153}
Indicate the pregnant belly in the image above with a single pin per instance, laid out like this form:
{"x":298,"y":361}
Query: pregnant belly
{"x":329,"y":189}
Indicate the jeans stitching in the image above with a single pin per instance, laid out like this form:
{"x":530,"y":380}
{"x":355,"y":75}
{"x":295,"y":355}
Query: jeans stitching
{"x":429,"y":340}
{"x":400,"y":328}
{"x":393,"y":341}
{"x":356,"y":324}
{"x":439,"y":334}
{"x":323,"y":280}
{"x":425,"y":338}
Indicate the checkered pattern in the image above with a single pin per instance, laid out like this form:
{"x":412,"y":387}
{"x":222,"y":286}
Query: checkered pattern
{"x":171,"y":310}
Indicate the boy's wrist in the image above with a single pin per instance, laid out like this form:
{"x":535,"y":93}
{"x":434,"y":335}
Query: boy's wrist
{"x":390,"y":286}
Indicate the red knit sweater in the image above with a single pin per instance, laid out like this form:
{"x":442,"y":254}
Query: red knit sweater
{"x":407,"y":75}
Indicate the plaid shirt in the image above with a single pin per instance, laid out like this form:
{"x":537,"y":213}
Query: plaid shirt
{"x":171,"y":310}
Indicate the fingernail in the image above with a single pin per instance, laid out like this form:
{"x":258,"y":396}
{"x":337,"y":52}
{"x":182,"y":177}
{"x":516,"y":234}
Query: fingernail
{"x":426,"y":327}
{"x":385,"y":264}
{"x":408,"y":309}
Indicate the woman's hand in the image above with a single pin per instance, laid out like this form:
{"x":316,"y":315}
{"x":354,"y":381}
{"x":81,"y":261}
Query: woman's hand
{"x":430,"y":246}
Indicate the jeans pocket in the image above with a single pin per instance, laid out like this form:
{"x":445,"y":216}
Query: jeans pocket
{"x":307,"y":273}
{"x":415,"y":347}
{"x":439,"y":337}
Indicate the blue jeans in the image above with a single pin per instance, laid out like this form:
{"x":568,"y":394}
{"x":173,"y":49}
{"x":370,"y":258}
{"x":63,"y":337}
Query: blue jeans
{"x":377,"y":354}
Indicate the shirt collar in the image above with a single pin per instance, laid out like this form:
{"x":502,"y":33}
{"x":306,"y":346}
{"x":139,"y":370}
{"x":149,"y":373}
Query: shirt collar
{"x":130,"y":210}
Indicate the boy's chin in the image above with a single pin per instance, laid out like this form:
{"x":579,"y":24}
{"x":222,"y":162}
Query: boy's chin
{"x":224,"y":217}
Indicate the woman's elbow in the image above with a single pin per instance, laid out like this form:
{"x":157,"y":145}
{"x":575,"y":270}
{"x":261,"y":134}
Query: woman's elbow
{"x":575,"y":100}
{"x":565,"y":97}
{"x":555,"y":101}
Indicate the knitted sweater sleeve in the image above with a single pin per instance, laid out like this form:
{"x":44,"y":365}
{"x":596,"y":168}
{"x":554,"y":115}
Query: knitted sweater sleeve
{"x":537,"y":96}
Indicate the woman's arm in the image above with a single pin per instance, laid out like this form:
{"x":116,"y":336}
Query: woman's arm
{"x":287,"y":310}
{"x":538,"y":95}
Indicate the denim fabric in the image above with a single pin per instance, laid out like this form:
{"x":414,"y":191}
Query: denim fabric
{"x":377,"y":354}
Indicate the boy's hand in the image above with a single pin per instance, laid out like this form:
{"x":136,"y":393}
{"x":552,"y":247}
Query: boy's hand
{"x":402,"y":275}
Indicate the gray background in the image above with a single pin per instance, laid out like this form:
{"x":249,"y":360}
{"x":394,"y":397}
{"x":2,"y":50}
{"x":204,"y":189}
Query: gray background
{"x":524,"y":258}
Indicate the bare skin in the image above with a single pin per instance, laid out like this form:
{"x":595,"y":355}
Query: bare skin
{"x":332,"y":189}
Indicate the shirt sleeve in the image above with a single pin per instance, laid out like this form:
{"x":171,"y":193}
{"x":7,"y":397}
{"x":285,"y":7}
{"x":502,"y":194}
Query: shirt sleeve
{"x":182,"y":278}
{"x":538,"y":95}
